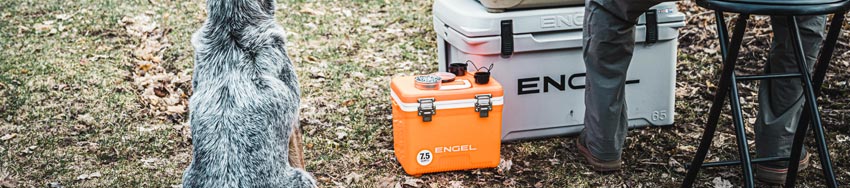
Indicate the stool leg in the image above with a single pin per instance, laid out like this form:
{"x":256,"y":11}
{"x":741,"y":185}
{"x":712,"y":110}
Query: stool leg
{"x":810,"y":111}
{"x":714,"y":111}
{"x":720,"y":95}
{"x":735,"y":104}
{"x":741,"y":134}
{"x":827,"y":50}
{"x":820,"y":73}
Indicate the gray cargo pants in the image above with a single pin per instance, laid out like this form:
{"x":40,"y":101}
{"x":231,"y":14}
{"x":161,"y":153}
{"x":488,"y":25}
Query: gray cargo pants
{"x":608,"y":45}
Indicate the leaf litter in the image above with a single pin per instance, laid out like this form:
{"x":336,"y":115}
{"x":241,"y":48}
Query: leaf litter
{"x":163,"y":91}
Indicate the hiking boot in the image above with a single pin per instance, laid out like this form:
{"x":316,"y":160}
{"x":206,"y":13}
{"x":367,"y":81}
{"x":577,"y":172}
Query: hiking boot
{"x":598,"y":165}
{"x":775,"y":175}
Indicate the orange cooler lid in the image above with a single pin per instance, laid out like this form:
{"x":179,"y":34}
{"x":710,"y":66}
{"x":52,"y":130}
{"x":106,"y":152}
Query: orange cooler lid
{"x":405,"y":93}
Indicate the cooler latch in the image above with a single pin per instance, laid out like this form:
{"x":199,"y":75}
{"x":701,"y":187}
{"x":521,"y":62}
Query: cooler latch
{"x":483,"y":105}
{"x":427,"y":109}
{"x":651,"y":27}
{"x":507,"y":36}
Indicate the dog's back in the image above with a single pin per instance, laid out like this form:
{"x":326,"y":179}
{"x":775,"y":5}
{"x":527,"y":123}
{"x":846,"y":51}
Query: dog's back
{"x":245,"y":100}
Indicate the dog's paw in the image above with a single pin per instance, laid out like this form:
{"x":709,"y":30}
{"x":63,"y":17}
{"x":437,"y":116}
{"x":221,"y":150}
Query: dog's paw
{"x":303,"y":179}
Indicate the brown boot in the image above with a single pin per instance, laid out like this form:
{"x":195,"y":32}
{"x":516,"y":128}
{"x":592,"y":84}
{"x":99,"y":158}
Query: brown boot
{"x":774,"y":175}
{"x":598,"y":165}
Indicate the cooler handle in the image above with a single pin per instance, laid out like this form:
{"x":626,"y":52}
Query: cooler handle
{"x":465,"y":85}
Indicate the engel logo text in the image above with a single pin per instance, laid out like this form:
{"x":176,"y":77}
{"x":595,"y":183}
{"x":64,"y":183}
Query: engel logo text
{"x":458,"y":148}
{"x":562,"y":21}
{"x":533,"y":85}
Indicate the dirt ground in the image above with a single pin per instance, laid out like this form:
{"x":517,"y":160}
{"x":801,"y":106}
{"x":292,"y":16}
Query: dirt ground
{"x":93,"y":94}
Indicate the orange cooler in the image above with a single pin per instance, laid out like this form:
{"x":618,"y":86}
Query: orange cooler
{"x":457,"y":127}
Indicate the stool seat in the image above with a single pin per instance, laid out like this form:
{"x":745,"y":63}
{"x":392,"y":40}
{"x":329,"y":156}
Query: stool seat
{"x":777,"y":7}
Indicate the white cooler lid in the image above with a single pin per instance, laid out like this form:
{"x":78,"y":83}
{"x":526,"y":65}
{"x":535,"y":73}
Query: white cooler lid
{"x":471,"y":19}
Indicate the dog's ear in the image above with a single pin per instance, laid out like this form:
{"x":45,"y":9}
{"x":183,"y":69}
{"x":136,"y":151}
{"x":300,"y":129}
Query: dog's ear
{"x":269,"y":6}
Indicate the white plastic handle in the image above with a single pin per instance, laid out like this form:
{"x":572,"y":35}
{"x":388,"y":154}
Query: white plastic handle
{"x":465,"y":85}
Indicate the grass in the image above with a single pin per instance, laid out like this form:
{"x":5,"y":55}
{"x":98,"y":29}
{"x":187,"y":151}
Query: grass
{"x":68,"y":97}
{"x":79,"y":115}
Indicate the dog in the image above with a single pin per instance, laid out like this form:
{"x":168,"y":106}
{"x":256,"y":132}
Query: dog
{"x":245,"y":101}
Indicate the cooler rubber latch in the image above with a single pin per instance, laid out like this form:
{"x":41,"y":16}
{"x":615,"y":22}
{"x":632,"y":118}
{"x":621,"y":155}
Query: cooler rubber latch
{"x":507,"y":38}
{"x":427,"y":109}
{"x":483,"y":105}
{"x":651,"y":27}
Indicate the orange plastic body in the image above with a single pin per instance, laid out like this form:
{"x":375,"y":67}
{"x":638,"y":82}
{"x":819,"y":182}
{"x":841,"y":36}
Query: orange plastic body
{"x":455,"y":138}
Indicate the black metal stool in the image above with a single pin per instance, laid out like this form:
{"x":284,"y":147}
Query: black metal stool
{"x":811,"y":84}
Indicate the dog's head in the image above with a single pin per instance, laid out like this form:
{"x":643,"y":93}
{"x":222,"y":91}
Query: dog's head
{"x":240,"y":10}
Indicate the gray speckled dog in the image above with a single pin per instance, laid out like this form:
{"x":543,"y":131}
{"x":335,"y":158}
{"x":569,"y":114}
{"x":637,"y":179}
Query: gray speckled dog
{"x":245,"y":100}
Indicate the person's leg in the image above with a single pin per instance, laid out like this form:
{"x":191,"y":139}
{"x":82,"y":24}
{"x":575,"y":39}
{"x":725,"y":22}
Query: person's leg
{"x":781,"y":100}
{"x":608,"y":45}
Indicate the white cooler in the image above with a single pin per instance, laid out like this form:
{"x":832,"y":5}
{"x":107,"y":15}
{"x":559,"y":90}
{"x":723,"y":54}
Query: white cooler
{"x":538,"y":59}
{"x":503,"y":5}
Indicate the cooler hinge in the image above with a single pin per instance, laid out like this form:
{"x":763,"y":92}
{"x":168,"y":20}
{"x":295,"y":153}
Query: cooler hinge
{"x":507,"y":38}
{"x":651,"y":27}
{"x":427,"y":109}
{"x":483,"y":104}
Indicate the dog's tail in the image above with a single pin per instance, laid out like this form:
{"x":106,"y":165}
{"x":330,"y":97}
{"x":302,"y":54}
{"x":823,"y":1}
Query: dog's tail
{"x":239,"y":13}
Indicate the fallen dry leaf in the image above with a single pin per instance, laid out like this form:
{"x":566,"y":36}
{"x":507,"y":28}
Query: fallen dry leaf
{"x":9,"y":184}
{"x":386,"y":181}
{"x":88,"y":176}
{"x":87,"y":119}
{"x":8,"y":136}
{"x":719,"y":182}
{"x":43,"y":26}
{"x":415,"y":182}
{"x":353,"y":178}
{"x":456,"y":184}
{"x":63,"y":16}
{"x":504,"y":166}
{"x":179,"y":109}
{"x":842,"y":138}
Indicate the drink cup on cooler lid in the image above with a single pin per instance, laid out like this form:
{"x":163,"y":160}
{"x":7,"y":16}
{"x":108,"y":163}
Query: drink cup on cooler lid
{"x":482,"y":77}
{"x":459,"y":69}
